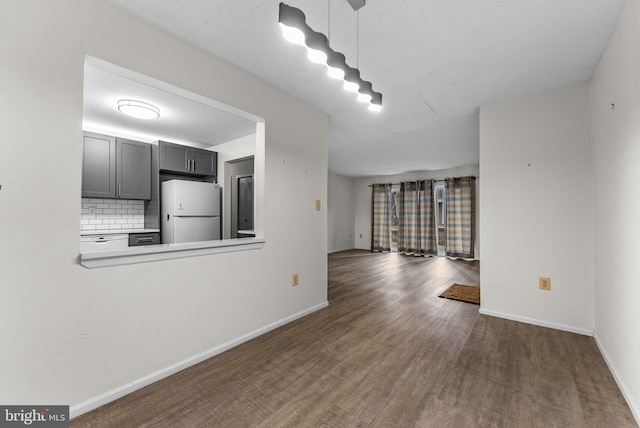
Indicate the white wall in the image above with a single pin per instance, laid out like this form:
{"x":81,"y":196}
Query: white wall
{"x":363,"y":198}
{"x":239,"y":148}
{"x":616,"y":154}
{"x":340,"y":213}
{"x":537,"y":209}
{"x":69,"y":333}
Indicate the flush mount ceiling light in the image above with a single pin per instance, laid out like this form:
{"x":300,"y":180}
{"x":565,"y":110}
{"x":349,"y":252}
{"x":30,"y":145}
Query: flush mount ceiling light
{"x":138,"y":109}
{"x":295,"y":30}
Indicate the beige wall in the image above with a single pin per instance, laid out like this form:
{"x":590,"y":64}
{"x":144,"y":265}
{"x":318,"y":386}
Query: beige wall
{"x":616,"y":154}
{"x":71,"y":334}
{"x":576,"y":150}
{"x":341,"y":216}
{"x":536,"y":209}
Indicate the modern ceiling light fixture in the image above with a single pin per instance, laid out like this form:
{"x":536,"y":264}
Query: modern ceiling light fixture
{"x":295,"y":30}
{"x":352,"y":79}
{"x":334,"y":65}
{"x":138,"y":109}
{"x":365,"y":92}
{"x":317,"y":48}
{"x":293,"y":24}
{"x":376,"y":102}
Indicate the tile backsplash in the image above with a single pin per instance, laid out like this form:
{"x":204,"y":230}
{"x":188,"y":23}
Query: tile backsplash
{"x":111,"y":214}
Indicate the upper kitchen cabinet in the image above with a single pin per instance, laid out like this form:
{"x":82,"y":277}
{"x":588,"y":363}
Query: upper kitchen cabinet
{"x":133,"y":171}
{"x":186,"y":160}
{"x":204,"y":162}
{"x":99,"y":166}
{"x":115,"y":168}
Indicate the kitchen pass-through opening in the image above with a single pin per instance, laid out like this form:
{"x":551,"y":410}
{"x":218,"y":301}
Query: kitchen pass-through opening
{"x":186,"y":119}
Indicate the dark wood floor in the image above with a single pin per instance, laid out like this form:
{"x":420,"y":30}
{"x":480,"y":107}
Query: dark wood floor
{"x":387,"y":352}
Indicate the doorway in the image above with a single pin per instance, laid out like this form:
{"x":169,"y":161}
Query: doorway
{"x":240,"y":211}
{"x":244,"y":206}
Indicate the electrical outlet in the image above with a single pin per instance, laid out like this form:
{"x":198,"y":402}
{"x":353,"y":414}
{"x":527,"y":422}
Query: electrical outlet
{"x":544,"y":283}
{"x":294,"y":279}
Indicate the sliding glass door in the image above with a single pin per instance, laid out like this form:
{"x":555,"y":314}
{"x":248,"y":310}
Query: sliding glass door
{"x":425,"y":217}
{"x":440,"y":197}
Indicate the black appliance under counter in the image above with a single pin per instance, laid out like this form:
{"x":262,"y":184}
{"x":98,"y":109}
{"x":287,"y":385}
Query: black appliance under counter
{"x":140,"y":239}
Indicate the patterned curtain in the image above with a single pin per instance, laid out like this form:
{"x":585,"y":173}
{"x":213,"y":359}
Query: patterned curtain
{"x":416,"y":227}
{"x":380,"y":217}
{"x":461,"y":217}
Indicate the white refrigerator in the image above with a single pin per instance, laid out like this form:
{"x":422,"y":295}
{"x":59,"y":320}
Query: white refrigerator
{"x":190,"y":211}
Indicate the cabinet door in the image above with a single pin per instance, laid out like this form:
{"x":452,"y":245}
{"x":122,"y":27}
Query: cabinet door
{"x":98,"y":166}
{"x":134,"y":169}
{"x":173,"y":157}
{"x":204,"y":162}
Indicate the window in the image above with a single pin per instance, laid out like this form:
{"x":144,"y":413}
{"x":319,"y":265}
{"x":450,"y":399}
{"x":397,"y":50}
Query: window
{"x":395,"y":217}
{"x":440,"y":198}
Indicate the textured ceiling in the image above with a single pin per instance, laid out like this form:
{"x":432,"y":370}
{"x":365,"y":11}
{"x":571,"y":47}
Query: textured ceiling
{"x":434,"y":61}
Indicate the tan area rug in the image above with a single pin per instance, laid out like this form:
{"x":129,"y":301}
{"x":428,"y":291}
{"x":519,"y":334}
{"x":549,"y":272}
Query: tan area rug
{"x":464,"y":293}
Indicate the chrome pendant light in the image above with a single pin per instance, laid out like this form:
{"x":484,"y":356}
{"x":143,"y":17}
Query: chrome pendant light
{"x":295,"y":30}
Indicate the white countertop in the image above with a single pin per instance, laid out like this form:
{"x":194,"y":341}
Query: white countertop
{"x":151,"y":253}
{"x":116,"y":231}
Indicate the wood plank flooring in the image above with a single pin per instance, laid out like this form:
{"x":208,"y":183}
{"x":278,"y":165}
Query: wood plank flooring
{"x":387,"y":352}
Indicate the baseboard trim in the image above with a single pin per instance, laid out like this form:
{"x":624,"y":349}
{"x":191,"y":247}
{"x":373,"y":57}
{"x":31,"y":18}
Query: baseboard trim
{"x":541,"y":323}
{"x":121,"y":391}
{"x":634,"y":409}
{"x":341,"y":249}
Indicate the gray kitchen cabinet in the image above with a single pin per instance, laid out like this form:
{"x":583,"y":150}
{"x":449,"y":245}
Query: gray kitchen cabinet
{"x":173,"y":157}
{"x":186,"y":160}
{"x":98,"y":166}
{"x":115,"y":168}
{"x":133,"y":170}
{"x":205,"y":162}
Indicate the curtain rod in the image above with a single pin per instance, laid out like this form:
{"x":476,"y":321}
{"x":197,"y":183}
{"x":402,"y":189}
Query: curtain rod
{"x":442,"y":179}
